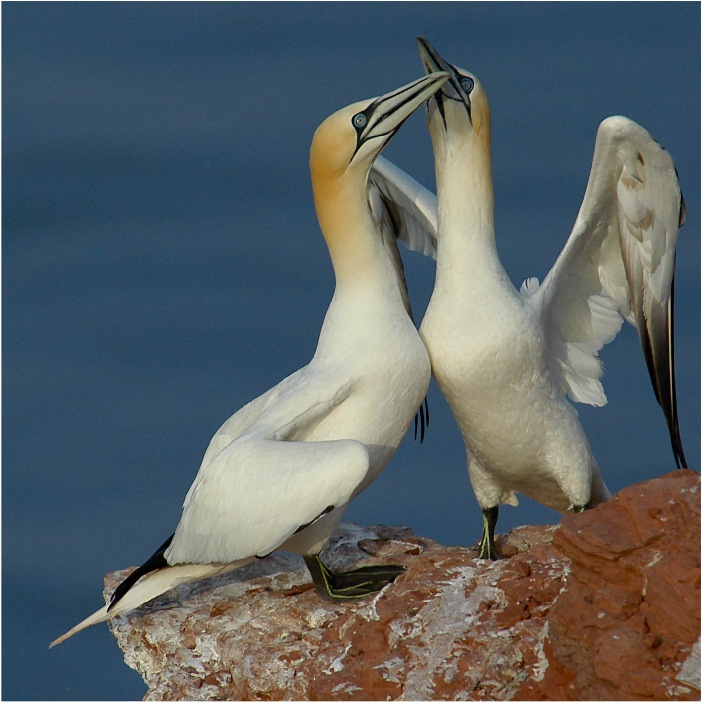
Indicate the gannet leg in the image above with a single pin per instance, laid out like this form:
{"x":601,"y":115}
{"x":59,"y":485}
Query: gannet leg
{"x":581,"y":508}
{"x":486,"y":548}
{"x":349,"y":585}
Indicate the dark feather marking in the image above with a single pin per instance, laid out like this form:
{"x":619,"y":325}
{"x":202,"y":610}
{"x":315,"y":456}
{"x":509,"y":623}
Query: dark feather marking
{"x":674,"y":430}
{"x":395,"y":221}
{"x":326,"y":510}
{"x":682,"y":213}
{"x":421,"y":420}
{"x":660,"y":363}
{"x":153,"y":563}
{"x":393,"y":213}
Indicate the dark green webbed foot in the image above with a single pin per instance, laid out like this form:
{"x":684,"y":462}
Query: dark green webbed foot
{"x":486,"y":547}
{"x":353,"y":584}
{"x":581,"y":508}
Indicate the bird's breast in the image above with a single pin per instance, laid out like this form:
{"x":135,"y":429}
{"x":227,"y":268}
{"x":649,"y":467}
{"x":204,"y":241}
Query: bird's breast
{"x":385,"y":360}
{"x":490,"y":363}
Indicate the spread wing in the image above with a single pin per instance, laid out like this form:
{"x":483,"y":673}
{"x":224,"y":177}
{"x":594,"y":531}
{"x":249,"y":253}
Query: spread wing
{"x":264,"y":485}
{"x":403,"y":206}
{"x":618,"y":262}
{"x":403,"y":210}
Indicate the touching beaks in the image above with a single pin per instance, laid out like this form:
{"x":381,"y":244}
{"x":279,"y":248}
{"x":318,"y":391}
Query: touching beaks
{"x":459,"y":85}
{"x":383,"y":117}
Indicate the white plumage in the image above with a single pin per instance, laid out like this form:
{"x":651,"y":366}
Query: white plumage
{"x":506,"y":359}
{"x":280,"y":472}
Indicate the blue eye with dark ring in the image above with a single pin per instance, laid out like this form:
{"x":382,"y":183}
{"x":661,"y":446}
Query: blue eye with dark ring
{"x":467,"y":84}
{"x":359,"y":121}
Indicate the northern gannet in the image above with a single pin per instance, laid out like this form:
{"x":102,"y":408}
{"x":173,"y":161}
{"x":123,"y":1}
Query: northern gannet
{"x":279,"y":473}
{"x":506,"y":359}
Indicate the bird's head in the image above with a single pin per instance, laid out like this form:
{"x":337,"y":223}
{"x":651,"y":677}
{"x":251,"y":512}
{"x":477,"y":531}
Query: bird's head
{"x":460,"y":109}
{"x":342,"y":152}
{"x":349,"y":140}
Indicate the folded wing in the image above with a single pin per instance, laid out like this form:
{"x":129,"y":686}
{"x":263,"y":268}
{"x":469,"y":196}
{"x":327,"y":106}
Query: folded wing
{"x":263,"y":486}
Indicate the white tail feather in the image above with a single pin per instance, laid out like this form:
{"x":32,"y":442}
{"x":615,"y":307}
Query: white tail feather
{"x":98,"y":616}
{"x":149,"y":587}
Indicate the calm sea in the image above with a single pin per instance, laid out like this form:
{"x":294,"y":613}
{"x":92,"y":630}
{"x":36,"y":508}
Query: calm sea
{"x":162,"y":263}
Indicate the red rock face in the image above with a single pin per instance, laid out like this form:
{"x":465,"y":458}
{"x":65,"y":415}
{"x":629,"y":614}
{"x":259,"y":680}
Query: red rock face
{"x":631,"y":610}
{"x":606,"y":606}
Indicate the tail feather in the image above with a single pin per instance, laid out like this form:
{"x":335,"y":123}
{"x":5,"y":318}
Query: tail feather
{"x":154,"y":563}
{"x":151,"y":586}
{"x":98,"y":616}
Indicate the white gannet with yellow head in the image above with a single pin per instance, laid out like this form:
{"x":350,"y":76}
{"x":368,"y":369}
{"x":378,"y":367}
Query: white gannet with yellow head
{"x":506,"y":359}
{"x":280,"y":472}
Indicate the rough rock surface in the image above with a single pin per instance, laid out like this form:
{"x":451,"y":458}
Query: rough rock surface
{"x":606,"y":606}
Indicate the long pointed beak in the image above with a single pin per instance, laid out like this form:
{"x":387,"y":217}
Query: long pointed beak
{"x":453,"y":90}
{"x":431,"y":58}
{"x":383,"y":117}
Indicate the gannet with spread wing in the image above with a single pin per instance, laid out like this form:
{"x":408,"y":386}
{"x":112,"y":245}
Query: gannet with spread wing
{"x":280,"y":472}
{"x":505,"y":359}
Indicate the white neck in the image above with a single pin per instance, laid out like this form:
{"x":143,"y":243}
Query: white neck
{"x":355,"y":247}
{"x":467,"y":254}
{"x":367,"y":292}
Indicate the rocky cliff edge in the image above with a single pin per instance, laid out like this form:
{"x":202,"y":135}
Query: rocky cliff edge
{"x":604,"y":606}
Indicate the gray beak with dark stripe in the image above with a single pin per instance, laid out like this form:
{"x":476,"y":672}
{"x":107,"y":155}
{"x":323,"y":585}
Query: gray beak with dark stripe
{"x":459,"y":85}
{"x":384,"y":116}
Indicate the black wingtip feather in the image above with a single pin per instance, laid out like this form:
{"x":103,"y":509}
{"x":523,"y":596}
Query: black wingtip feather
{"x":421,"y":421}
{"x":154,"y":562}
{"x":423,"y":424}
{"x":660,"y":361}
{"x":673,"y":426}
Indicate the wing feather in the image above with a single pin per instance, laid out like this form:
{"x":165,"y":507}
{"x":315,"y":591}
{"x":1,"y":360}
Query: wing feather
{"x":402,"y":210}
{"x":258,"y":489}
{"x":241,"y":420}
{"x":618,"y":262}
{"x":257,"y":492}
{"x":402,"y":204}
{"x":388,"y":228}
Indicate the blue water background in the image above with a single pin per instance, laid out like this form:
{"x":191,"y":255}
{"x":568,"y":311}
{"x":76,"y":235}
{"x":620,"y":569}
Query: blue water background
{"x":162,"y":264}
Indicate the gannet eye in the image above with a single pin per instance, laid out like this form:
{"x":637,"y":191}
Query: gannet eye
{"x":359,"y":121}
{"x":467,"y":84}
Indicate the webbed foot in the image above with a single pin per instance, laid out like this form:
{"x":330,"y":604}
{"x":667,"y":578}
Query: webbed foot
{"x":353,"y":584}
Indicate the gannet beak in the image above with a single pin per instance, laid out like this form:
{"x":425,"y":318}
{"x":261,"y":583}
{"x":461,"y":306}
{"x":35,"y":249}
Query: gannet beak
{"x":431,"y":58}
{"x":458,"y":86}
{"x":382,"y":118}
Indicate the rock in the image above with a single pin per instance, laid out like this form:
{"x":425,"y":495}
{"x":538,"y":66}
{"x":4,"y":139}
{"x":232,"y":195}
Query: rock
{"x":627,"y":621}
{"x":605,"y":606}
